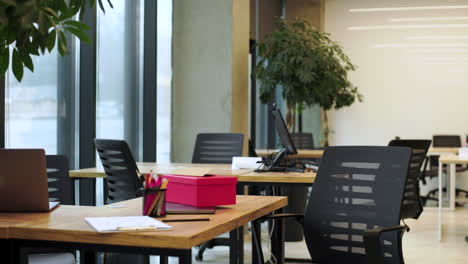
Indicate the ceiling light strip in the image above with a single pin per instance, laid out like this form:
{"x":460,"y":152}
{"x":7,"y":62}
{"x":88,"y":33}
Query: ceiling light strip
{"x":407,"y":26}
{"x":418,"y":19}
{"x":409,"y":8}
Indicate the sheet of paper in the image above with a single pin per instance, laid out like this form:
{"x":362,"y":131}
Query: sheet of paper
{"x":192,"y":171}
{"x":246,"y":163}
{"x":128,"y":223}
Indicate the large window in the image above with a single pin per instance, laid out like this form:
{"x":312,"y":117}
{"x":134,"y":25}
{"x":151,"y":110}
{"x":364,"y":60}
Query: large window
{"x":117,"y":38}
{"x":164,"y":67}
{"x":131,"y":53}
{"x":31,"y":106}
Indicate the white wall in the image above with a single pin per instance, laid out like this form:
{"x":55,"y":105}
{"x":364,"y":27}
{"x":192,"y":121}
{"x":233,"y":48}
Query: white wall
{"x":406,"y":93}
{"x":414,"y":80}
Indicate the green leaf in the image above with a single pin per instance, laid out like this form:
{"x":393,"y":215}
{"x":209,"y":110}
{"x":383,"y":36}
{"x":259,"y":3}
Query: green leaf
{"x":4,"y":59}
{"x":62,"y":43}
{"x":79,"y":33}
{"x":51,"y":40}
{"x":17,"y":66}
{"x":27,"y":61}
{"x":51,"y":12}
{"x":77,"y":24}
{"x":101,"y":6}
{"x":110,"y":3}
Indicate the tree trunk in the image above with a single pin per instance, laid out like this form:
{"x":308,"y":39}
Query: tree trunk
{"x":325,"y":129}
{"x":290,"y":117}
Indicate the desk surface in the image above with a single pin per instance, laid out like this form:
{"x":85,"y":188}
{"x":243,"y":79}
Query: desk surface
{"x":67,"y":224}
{"x":301,"y":153}
{"x":218,"y":169}
{"x":442,"y":151}
{"x":452,"y":159}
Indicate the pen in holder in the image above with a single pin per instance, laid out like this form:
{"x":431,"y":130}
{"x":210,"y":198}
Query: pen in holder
{"x":154,"y":201}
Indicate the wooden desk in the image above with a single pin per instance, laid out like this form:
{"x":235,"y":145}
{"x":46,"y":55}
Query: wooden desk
{"x":161,"y":168}
{"x":244,"y":176}
{"x":66,"y":228}
{"x":451,"y":161}
{"x":301,"y":153}
{"x":437,"y":151}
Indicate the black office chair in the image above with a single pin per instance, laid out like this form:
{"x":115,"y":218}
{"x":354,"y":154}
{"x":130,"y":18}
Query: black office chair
{"x":353,"y":213}
{"x":297,"y":195}
{"x":217,"y":148}
{"x":60,"y":190}
{"x":431,"y":167}
{"x":122,"y":184}
{"x":412,"y":206}
{"x":121,"y":169}
{"x":303,"y":140}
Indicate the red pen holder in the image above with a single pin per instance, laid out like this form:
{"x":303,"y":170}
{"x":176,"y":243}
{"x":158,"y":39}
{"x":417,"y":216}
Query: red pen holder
{"x":154,"y":202}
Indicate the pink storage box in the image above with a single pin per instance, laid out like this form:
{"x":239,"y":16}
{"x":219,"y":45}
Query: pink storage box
{"x":201,"y":191}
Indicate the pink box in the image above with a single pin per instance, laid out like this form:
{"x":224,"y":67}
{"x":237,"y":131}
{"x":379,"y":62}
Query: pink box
{"x":201,"y":191}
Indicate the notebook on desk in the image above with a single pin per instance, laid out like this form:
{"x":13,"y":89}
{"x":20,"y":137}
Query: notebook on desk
{"x":174,"y":208}
{"x":23,"y":179}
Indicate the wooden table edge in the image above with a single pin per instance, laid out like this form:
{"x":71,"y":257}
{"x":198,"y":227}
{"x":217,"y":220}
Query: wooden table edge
{"x":25,"y":233}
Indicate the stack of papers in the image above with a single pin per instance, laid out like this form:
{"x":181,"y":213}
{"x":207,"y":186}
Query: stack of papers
{"x":126,"y":223}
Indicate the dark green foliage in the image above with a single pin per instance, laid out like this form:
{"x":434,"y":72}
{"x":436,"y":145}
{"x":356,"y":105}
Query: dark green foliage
{"x":310,"y":66}
{"x":30,"y":27}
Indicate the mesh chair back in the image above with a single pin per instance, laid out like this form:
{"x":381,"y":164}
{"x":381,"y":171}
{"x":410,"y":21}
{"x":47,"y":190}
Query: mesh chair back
{"x":59,"y":182}
{"x":217,"y":147}
{"x":303,"y":140}
{"x":356,"y":188}
{"x":412,"y":205}
{"x":120,"y":168}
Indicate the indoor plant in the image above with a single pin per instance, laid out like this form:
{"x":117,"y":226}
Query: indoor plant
{"x":309,"y":65}
{"x":30,"y":27}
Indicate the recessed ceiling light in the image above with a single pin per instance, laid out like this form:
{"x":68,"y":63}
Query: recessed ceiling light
{"x":417,"y":19}
{"x":409,"y":8}
{"x":408,"y":26}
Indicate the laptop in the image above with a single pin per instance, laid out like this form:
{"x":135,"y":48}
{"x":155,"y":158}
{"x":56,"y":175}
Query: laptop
{"x":23,"y":181}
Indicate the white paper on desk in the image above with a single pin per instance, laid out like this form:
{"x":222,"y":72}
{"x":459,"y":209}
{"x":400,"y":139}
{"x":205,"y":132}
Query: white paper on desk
{"x":463,"y":153}
{"x":112,"y":224}
{"x":245,"y":163}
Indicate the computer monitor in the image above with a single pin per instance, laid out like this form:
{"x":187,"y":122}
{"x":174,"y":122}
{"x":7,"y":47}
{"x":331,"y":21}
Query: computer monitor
{"x":286,"y":142}
{"x":283,"y":132}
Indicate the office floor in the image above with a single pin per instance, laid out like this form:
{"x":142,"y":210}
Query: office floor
{"x":420,"y":244}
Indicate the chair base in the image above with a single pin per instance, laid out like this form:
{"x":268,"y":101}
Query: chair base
{"x":219,"y":241}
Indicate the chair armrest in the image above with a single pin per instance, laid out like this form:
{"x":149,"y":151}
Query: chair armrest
{"x":299,"y":217}
{"x":372,"y":242}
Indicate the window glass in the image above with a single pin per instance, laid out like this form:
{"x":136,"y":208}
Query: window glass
{"x":31,"y":106}
{"x":164,"y":80}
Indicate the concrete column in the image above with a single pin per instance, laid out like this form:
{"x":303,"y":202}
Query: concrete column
{"x":210,"y":71}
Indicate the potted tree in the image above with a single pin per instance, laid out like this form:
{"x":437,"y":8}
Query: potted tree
{"x":30,"y":27}
{"x":311,"y":68}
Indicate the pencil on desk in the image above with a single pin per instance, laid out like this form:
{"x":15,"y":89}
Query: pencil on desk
{"x":186,"y":220}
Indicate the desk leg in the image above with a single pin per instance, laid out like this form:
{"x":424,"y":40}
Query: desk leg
{"x":87,"y":257}
{"x":277,"y":240}
{"x":440,"y":202}
{"x":236,"y":248}
{"x":257,"y":254}
{"x":163,"y":259}
{"x":452,"y":185}
{"x":186,"y":257}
